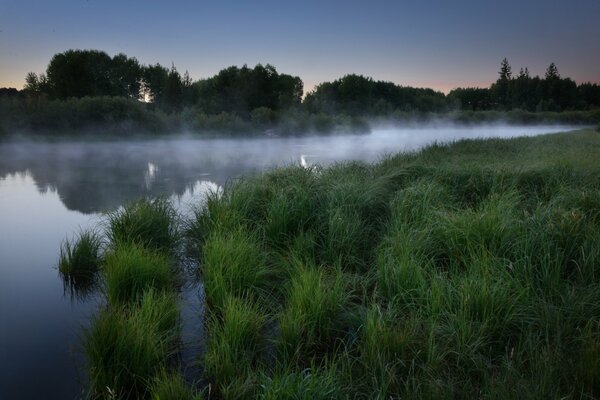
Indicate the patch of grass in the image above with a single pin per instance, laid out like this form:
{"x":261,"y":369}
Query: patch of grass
{"x":316,"y":382}
{"x":170,"y":386}
{"x":234,"y":344}
{"x":464,"y":270}
{"x":313,"y":317}
{"x":215,"y":213}
{"x":80,"y":260}
{"x":130,"y":270}
{"x":127,"y":347}
{"x":233,"y":264}
{"x":148,"y":223}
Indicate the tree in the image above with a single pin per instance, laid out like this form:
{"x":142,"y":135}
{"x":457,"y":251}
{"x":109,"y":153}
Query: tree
{"x":501,"y":88}
{"x":126,"y":76}
{"x":552,"y":72}
{"x":505,"y":70}
{"x":80,"y":73}
{"x":154,"y":80}
{"x":173,"y":92}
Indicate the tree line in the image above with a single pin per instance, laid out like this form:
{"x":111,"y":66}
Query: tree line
{"x":91,"y":73}
{"x":529,"y":93}
{"x":263,"y":95}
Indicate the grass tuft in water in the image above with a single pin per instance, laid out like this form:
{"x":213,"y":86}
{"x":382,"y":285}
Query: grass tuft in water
{"x":148,"y":223}
{"x":80,"y":260}
{"x":127,"y":347}
{"x":130,"y":270}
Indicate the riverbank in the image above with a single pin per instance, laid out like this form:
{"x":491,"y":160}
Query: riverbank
{"x":461,"y":270}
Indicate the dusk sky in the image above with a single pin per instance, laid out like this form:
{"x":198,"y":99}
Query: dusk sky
{"x":438,"y":44}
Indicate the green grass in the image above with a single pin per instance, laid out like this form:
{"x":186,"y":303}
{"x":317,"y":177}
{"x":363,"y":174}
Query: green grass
{"x":130,"y":270}
{"x":314,"y":383}
{"x":170,"y":386}
{"x":80,"y":257}
{"x":234,"y":346}
{"x":148,"y":223}
{"x":467,"y":270}
{"x":127,"y":347}
{"x":233,"y":265}
{"x":313,"y":317}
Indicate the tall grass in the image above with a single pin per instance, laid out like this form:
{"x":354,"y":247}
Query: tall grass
{"x":313,"y":317}
{"x":467,"y":270}
{"x":127,"y":347}
{"x":234,"y":346}
{"x":171,"y":386}
{"x":234,"y":265}
{"x":148,"y":223}
{"x":80,"y":257}
{"x":130,"y":270}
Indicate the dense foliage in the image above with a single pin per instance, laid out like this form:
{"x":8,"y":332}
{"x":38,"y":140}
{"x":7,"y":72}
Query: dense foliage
{"x":359,"y":95}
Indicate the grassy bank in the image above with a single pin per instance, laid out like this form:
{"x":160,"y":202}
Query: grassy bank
{"x":468,"y":270}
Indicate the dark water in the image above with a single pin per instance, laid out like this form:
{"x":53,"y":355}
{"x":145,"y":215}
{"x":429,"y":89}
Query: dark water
{"x":49,"y":190}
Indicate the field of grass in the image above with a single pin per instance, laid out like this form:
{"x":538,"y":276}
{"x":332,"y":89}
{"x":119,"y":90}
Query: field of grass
{"x":469,"y":270}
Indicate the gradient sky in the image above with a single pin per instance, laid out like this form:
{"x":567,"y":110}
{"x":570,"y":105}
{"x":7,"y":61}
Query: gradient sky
{"x":438,"y":44}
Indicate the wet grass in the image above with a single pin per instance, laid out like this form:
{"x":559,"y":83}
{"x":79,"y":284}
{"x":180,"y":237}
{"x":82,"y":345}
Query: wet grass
{"x":127,"y":346}
{"x":148,"y":223}
{"x":132,"y":343}
{"x":130,"y":270}
{"x":467,"y":270}
{"x":81,"y":256}
{"x":80,"y":260}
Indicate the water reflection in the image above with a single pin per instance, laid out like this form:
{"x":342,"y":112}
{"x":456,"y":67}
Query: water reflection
{"x":79,"y":287}
{"x":99,"y":176}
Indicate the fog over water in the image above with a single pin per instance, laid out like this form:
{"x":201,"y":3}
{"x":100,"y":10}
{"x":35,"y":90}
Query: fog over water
{"x":50,"y":189}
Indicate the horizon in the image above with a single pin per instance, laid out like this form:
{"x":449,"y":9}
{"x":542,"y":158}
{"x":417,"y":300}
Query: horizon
{"x":460,"y":45}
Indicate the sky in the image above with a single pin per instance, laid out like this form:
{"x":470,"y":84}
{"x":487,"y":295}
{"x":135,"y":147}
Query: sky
{"x":437,"y":44}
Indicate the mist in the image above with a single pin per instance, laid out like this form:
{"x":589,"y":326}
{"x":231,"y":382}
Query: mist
{"x":100,"y":175}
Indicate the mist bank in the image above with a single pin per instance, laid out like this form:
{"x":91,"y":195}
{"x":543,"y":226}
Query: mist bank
{"x":121,"y":117}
